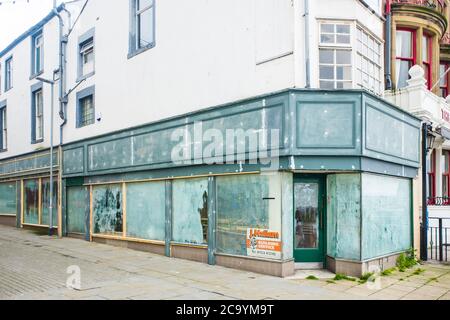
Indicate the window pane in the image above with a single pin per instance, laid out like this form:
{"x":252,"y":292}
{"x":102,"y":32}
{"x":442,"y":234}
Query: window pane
{"x":144,"y":4}
{"x":327,"y":38}
{"x":76,"y":210}
{"x":190,"y":211}
{"x":425,"y":48}
{"x":145,"y":20}
{"x":327,"y":72}
{"x":343,"y":28}
{"x":343,"y":57}
{"x":326,"y":56}
{"x":31,"y":201}
{"x":45,"y":220}
{"x":442,"y":69}
{"x":146,"y":210}
{"x":342,"y":38}
{"x":327,"y":28}
{"x":326,"y":84}
{"x":87,"y":111}
{"x":404,"y":44}
{"x":107,"y":207}
{"x":401,"y":70}
{"x":240,"y":205}
{"x":343,"y":73}
{"x":8,"y":201}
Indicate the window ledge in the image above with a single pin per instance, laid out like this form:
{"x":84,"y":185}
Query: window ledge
{"x":37,"y":141}
{"x":84,"y":77}
{"x":134,"y":53}
{"x":7,"y":89}
{"x":33,"y":76}
{"x":3,"y":150}
{"x":85,"y":126}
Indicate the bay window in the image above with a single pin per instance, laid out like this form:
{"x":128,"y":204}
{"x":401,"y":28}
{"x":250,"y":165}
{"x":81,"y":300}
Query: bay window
{"x":405,"y":55}
{"x":426,"y":59}
{"x":368,"y":62}
{"x":443,"y":83}
{"x":335,"y":56}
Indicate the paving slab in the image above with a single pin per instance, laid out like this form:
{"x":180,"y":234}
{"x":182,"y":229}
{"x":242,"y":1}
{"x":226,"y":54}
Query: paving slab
{"x":34,"y":267}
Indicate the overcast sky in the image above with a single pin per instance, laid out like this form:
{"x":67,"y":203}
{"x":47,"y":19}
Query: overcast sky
{"x":16,"y":18}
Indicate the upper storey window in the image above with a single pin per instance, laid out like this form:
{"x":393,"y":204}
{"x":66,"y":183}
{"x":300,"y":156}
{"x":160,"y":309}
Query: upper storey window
{"x":405,"y":55}
{"x":8,"y":73}
{"x":335,"y":56}
{"x":443,"y":84}
{"x":37,"y":65}
{"x":86,"y":55}
{"x":369,"y":72}
{"x":142,"y":33}
{"x":349,"y":57}
{"x":426,"y":59}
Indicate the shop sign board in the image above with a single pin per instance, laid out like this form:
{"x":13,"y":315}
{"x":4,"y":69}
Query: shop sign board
{"x":263,"y":243}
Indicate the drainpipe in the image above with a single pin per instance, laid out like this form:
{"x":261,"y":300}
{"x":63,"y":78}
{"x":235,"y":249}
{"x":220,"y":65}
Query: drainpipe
{"x":307,"y":56}
{"x":424,"y":226}
{"x":62,"y":74}
{"x":387,"y":57}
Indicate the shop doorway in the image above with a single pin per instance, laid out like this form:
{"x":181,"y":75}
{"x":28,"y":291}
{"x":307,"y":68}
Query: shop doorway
{"x":309,"y":219}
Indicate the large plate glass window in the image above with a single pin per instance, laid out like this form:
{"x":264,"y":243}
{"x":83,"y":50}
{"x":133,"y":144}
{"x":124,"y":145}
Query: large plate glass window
{"x":108,"y":210}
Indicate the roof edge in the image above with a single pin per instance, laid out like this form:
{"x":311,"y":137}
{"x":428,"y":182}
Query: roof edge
{"x":31,"y":31}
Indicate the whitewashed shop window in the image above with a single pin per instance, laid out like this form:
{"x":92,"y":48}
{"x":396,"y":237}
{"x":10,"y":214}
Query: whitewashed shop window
{"x":368,"y":62}
{"x":335,"y":56}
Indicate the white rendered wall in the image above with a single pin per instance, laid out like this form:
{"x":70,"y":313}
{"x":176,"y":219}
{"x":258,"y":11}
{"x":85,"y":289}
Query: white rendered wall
{"x":19,"y":96}
{"x":208,"y":52}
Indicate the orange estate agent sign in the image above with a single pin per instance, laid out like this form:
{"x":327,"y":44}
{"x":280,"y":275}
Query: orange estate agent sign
{"x":264,"y":243}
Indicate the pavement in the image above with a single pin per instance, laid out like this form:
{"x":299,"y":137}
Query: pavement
{"x":36,"y":267}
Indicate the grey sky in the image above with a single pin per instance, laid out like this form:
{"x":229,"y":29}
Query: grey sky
{"x":19,"y":17}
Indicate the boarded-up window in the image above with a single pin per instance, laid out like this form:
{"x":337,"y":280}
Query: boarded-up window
{"x":108,"y":212}
{"x":190,"y":211}
{"x":8,"y":199}
{"x":31,"y":201}
{"x":240,"y":205}
{"x":146,"y":210}
{"x":76,"y":209}
{"x":45,"y":219}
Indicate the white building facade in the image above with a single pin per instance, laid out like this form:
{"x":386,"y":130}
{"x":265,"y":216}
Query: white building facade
{"x":129,"y":73}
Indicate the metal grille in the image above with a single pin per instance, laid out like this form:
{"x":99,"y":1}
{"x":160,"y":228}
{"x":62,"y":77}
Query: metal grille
{"x":87,"y":116}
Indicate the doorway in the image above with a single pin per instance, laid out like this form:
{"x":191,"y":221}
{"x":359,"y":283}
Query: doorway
{"x":309,"y":218}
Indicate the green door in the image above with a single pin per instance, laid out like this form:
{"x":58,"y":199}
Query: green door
{"x":309,"y":218}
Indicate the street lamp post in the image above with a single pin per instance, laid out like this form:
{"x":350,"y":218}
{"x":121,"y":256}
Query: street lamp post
{"x":50,"y":207}
{"x":427,"y":145}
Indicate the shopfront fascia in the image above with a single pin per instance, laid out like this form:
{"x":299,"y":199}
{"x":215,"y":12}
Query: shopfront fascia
{"x":124,"y":188}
